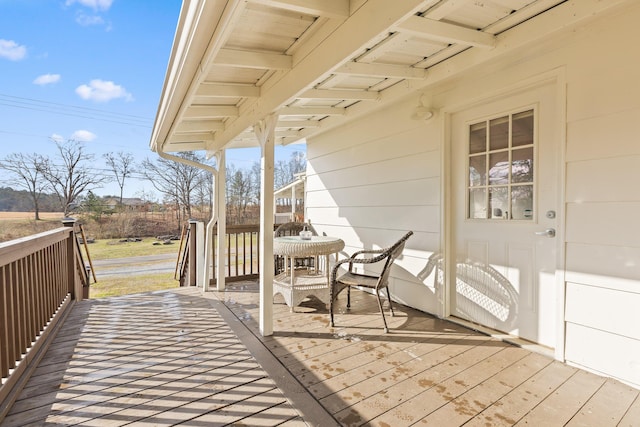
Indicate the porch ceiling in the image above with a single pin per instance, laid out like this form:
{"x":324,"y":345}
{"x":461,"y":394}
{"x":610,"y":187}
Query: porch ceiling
{"x":319,"y":63}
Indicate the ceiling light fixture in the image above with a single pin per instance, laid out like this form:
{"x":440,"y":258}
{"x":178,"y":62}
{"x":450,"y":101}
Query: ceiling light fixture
{"x":422,"y":112}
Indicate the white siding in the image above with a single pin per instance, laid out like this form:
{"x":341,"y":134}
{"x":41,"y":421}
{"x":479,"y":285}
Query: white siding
{"x":373,"y":179}
{"x":603,"y":199}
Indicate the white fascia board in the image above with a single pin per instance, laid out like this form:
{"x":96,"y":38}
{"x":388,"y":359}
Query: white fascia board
{"x":196,"y":43}
{"x":184,"y":41}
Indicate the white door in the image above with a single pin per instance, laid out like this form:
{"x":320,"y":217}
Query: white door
{"x":504,"y":182}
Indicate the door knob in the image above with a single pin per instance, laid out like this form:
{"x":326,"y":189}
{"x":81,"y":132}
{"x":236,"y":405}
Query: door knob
{"x":549,"y":232}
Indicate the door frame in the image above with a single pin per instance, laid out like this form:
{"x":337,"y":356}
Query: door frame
{"x":556,"y":77}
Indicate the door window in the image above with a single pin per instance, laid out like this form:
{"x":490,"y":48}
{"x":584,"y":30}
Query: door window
{"x":501,"y":167}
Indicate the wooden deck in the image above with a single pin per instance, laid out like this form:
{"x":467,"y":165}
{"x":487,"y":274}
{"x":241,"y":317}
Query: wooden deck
{"x":175,"y":358}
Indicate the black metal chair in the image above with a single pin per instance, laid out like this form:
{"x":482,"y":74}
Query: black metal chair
{"x":375,"y":283}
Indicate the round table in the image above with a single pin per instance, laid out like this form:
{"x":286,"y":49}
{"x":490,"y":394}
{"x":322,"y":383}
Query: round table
{"x":297,"y":247}
{"x":297,"y":284}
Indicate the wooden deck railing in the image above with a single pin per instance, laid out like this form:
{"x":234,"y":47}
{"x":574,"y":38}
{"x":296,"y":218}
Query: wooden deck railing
{"x":40,"y":276}
{"x":242,"y":254}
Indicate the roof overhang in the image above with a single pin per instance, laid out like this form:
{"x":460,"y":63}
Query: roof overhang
{"x":320,"y":63}
{"x":296,"y":187}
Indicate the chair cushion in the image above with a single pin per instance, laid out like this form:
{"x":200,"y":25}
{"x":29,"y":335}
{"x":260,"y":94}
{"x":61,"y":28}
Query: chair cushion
{"x":354,"y":279}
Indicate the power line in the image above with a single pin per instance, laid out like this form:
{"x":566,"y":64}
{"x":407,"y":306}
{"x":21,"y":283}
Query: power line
{"x":82,"y":108}
{"x":74,"y":111}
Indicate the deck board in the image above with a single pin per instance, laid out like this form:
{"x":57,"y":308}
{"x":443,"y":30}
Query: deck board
{"x":426,"y":371}
{"x":180,"y":357}
{"x":146,"y":358}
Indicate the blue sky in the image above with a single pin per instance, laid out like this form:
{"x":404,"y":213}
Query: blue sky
{"x":88,"y":70}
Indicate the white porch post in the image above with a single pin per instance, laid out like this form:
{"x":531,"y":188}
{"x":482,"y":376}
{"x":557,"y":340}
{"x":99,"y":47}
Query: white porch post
{"x":221,"y":209}
{"x":293,"y":202}
{"x":201,"y":261}
{"x":208,"y":244}
{"x":265,"y":131}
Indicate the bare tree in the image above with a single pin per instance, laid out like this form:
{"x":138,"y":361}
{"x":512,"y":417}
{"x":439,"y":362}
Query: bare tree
{"x":285,"y":171}
{"x":73,"y":175}
{"x":176,"y":181}
{"x":122,"y":166}
{"x":255,"y":177}
{"x":203,"y":194}
{"x":240,"y":193}
{"x":27,"y":173}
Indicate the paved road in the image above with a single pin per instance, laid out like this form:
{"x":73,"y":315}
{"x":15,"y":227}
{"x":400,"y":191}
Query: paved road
{"x":149,"y":264}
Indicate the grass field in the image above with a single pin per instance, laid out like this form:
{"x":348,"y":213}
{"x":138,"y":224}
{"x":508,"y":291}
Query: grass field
{"x":14,"y":227}
{"x":123,"y":286}
{"x":30,"y":215}
{"x":19,"y":224}
{"x":109,"y":249}
{"x":116,"y":286}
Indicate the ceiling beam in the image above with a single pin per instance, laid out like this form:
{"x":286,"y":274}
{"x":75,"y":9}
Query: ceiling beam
{"x":248,"y":59}
{"x":381,"y":70}
{"x":563,"y":17}
{"x":287,"y":133}
{"x":291,"y":140}
{"x":197,"y":126}
{"x":204,"y":112}
{"x":390,"y":44}
{"x":521,"y":15}
{"x":312,"y":111}
{"x":443,"y":9}
{"x":178,"y":138}
{"x":217,"y":90}
{"x":446,"y":33}
{"x":358,"y":95}
{"x":176,"y":147}
{"x":369,"y":22}
{"x":328,"y":8}
{"x":297,"y":124}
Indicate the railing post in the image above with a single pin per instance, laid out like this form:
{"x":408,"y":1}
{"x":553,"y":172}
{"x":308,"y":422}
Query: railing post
{"x":71,"y":258}
{"x":196,"y":252}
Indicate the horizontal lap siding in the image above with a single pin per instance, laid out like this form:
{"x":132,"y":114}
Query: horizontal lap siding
{"x":618,"y":362}
{"x":370,"y":182}
{"x":603,"y":201}
{"x":426,"y":192}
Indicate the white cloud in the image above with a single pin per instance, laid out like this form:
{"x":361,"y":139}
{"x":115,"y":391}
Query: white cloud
{"x":88,"y":20}
{"x":94,"y":4}
{"x":102,"y":91}
{"x":12,"y":50}
{"x":46,"y":79}
{"x":83,"y":136}
{"x":56,"y":138}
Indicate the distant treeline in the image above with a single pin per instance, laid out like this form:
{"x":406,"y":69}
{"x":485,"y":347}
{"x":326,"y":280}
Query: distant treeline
{"x":21,"y":201}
